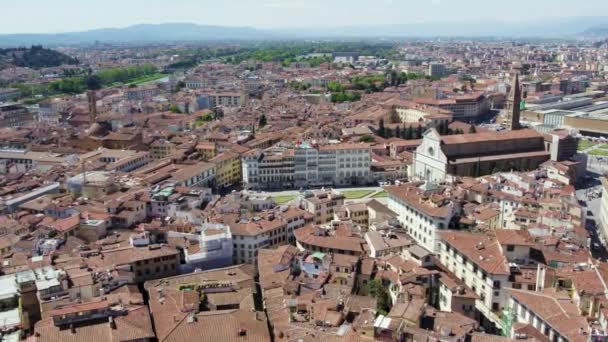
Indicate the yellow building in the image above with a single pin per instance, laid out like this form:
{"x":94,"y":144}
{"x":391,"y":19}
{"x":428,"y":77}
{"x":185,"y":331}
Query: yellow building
{"x":161,"y":148}
{"x":228,"y":169}
{"x":206,"y":150}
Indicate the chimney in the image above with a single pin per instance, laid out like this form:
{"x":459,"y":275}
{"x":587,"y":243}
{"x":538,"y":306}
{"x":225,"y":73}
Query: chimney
{"x":72,"y":329}
{"x":112,"y":323}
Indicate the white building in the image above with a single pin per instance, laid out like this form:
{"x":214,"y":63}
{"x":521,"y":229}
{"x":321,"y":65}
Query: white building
{"x":550,"y":312}
{"x":307,"y":165}
{"x":478,"y":261}
{"x":422,"y":211}
{"x":274,"y":229}
{"x":211,"y":247}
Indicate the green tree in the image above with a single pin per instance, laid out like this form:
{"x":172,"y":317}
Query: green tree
{"x":381,"y":129}
{"x":409,"y":134}
{"x":335,"y":87}
{"x":263,"y":121}
{"x":397,"y":132}
{"x":174,"y":108}
{"x":367,"y":138}
{"x":419,"y":132}
{"x":394,"y":116}
{"x":472,"y":129}
{"x":376,"y":289}
{"x":93,"y":82}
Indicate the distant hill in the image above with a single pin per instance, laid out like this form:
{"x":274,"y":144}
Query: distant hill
{"x":145,"y":33}
{"x":186,"y":32}
{"x":596,"y":31}
{"x":34,"y":57}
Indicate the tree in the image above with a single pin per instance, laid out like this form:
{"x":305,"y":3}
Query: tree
{"x":367,"y":138}
{"x":376,"y":289}
{"x":472,"y":129}
{"x":397,"y":132}
{"x":419,"y":132}
{"x":394,"y":116}
{"x":263,"y":121}
{"x":409,"y":134}
{"x":381,"y":129}
{"x":174,"y":108}
{"x":93,"y":82}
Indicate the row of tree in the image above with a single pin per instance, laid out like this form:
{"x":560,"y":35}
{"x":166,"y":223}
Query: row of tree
{"x":407,"y":132}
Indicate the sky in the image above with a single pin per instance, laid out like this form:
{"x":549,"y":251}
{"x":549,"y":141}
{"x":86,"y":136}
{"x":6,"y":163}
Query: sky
{"x":53,"y":16}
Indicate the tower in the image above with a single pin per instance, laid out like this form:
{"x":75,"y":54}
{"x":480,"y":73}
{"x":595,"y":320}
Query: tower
{"x":92,"y":97}
{"x":512,"y":109}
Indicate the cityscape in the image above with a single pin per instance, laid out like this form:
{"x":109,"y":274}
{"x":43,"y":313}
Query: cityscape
{"x":226,"y":180}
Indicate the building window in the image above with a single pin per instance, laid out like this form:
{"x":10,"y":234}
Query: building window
{"x":510,"y":248}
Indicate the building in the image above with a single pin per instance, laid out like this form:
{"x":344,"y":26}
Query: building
{"x":272,"y":168}
{"x":322,"y":205}
{"x":214,"y":305}
{"x":142,"y":92}
{"x":332,"y":164}
{"x":307,"y":166}
{"x":228,"y":169}
{"x":345,"y":57}
{"x":468,"y":107}
{"x":104,"y":320}
{"x":478,"y":261}
{"x":477,"y":154}
{"x":9,"y":94}
{"x":15,"y":115}
{"x":335,"y":237}
{"x":201,"y":173}
{"x":161,"y":148}
{"x":423,"y":211}
{"x":209,"y":247}
{"x":550,"y":312}
{"x":226,"y":99}
{"x":274,"y":229}
{"x":437,"y":70}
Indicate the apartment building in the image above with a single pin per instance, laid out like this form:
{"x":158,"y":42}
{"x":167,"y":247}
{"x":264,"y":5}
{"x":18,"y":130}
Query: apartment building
{"x":464,"y":107}
{"x":550,"y":312}
{"x":201,"y":173}
{"x":268,"y":230}
{"x":14,"y":115}
{"x":161,"y":148}
{"x":272,"y":168}
{"x":227,"y":169}
{"x":321,"y":204}
{"x":142,"y":93}
{"x":226,"y":99}
{"x":478,"y":261}
{"x":423,"y":210}
{"x":332,"y":164}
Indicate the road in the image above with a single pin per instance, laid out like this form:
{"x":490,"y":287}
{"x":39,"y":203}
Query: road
{"x":586,"y":194}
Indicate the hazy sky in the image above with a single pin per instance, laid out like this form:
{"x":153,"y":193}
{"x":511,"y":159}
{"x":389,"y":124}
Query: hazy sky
{"x":25,"y":16}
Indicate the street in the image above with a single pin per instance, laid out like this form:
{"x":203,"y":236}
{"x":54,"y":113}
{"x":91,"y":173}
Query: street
{"x":590,"y":195}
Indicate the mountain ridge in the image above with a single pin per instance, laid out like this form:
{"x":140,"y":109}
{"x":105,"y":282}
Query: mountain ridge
{"x":175,"y":32}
